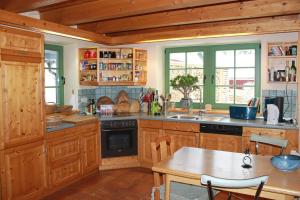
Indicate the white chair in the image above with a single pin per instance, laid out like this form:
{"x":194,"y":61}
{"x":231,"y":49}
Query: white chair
{"x":211,"y":181}
{"x":268,"y":140}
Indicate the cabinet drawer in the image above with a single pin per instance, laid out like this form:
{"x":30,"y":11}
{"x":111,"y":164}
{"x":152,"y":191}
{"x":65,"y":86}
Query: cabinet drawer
{"x":31,"y":42}
{"x":277,"y":133}
{"x":181,"y":126}
{"x":65,"y":173}
{"x":87,"y":128}
{"x":64,"y":148}
{"x":151,"y":124}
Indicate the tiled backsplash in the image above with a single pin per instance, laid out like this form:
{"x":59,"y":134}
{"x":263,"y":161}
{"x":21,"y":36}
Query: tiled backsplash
{"x":290,"y":100}
{"x":110,"y":91}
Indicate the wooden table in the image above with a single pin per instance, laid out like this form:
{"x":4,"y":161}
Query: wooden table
{"x":188,"y":164}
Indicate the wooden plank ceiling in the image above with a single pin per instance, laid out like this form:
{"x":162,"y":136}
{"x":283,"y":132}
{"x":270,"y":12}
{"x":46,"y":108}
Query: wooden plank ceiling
{"x":135,"y":21}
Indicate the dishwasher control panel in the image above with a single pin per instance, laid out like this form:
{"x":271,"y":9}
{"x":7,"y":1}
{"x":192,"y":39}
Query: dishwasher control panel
{"x":221,"y":129}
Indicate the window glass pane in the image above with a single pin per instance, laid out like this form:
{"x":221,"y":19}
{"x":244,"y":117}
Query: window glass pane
{"x":50,"y":77}
{"x":224,"y":94}
{"x":245,"y":76}
{"x":196,"y":95}
{"x":225,"y":76}
{"x":198,"y":73}
{"x":177,"y":60}
{"x":195,"y":60}
{"x":245,"y":58}
{"x":175,"y":95}
{"x":174,"y":73}
{"x":225,"y":58}
{"x":51,"y":58}
{"x":50,"y":95}
{"x":243,"y":94}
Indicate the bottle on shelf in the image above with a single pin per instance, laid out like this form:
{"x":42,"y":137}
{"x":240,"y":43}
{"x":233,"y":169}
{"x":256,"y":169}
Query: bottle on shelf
{"x":287,"y":72}
{"x":293,"y":71}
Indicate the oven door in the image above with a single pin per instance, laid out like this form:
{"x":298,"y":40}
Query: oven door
{"x":118,"y":142}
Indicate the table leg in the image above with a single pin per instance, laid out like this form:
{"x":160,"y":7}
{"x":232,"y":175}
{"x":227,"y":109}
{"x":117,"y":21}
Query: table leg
{"x":167,"y":187}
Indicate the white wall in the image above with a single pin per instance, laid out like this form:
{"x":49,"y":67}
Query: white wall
{"x":156,"y":58}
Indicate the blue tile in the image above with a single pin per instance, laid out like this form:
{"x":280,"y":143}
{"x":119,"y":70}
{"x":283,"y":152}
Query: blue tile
{"x":273,"y":93}
{"x":294,"y":93}
{"x":280,"y":93}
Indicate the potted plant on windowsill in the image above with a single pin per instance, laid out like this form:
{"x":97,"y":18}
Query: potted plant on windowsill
{"x":185,"y":84}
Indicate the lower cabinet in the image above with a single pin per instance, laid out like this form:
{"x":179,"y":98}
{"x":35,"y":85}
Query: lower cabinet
{"x":183,"y":138}
{"x":147,"y":136}
{"x":264,"y":149}
{"x":182,"y":134}
{"x":23,"y":172}
{"x":72,"y":153}
{"x":221,"y":142}
{"x":90,"y":151}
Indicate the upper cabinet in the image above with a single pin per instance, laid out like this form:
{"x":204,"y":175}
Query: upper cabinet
{"x":21,"y":87}
{"x":282,"y":66}
{"x":112,"y":66}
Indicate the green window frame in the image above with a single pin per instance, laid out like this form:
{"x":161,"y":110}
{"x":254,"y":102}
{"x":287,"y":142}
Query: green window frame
{"x":210,"y":70}
{"x":59,"y":84}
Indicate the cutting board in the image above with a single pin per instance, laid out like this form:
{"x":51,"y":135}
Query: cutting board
{"x":79,"y":119}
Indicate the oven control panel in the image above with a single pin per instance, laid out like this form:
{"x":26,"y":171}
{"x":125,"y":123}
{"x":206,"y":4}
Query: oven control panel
{"x":117,"y":124}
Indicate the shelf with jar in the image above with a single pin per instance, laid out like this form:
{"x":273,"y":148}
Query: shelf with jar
{"x":282,"y":66}
{"x":113,"y":66}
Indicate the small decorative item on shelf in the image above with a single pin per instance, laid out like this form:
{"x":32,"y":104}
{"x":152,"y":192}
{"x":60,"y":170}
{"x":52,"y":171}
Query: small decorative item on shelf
{"x":87,"y":54}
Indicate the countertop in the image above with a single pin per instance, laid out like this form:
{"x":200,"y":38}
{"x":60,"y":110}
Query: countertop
{"x":206,"y":118}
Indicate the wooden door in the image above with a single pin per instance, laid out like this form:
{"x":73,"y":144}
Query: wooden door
{"x":90,"y":151}
{"x":148,"y":135}
{"x":221,"y":142}
{"x":23,"y":175}
{"x":181,"y":138}
{"x":265,"y":149}
{"x":22,"y":100}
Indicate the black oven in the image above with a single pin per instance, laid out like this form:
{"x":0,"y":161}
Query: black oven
{"x":118,"y":138}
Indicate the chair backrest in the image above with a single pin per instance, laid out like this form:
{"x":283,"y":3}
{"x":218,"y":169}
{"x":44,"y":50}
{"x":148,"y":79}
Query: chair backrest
{"x":162,"y":148}
{"x":268,"y":140}
{"x":211,"y":181}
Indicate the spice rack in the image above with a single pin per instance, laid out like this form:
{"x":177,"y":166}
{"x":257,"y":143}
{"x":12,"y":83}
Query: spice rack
{"x":281,"y":57}
{"x":112,"y":66}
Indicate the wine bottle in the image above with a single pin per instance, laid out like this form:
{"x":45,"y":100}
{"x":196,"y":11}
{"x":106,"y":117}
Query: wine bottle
{"x":293,"y":71}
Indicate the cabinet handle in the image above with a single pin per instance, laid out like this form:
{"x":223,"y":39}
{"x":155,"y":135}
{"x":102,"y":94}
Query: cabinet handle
{"x":212,"y":79}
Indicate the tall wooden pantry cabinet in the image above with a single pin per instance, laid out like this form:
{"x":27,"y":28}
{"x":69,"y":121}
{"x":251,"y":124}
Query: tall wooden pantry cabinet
{"x":22,"y":120}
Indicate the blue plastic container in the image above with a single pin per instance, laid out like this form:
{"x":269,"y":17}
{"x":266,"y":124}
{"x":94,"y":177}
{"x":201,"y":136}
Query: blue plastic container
{"x":243,"y":112}
{"x":286,"y":163}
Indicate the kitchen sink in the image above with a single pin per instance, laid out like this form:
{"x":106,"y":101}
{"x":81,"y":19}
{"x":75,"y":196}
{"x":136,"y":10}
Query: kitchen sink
{"x":193,"y":117}
{"x":183,"y":117}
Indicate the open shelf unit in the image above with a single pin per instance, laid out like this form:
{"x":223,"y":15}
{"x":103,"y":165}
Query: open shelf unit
{"x":281,"y":55}
{"x":112,"y":66}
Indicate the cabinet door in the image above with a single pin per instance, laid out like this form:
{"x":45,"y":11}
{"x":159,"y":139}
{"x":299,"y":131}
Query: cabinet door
{"x":24,"y":172}
{"x":20,"y":40}
{"x":64,"y":172}
{"x":148,"y":135}
{"x":90,"y":151}
{"x":265,"y":149}
{"x":221,"y":142}
{"x":64,"y":148}
{"x":22,"y":97}
{"x":181,"y":138}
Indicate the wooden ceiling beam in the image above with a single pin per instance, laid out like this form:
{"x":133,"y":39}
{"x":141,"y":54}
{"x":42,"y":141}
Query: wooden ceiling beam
{"x":13,"y":19}
{"x":105,"y":9}
{"x":265,"y":25}
{"x":220,"y":12}
{"x":26,"y":5}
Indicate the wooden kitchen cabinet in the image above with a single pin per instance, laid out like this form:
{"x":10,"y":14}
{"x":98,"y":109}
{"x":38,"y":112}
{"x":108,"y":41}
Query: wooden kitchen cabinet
{"x":183,"y":138}
{"x":221,"y":142}
{"x":72,"y":153}
{"x":23,"y":174}
{"x":264,"y":149}
{"x":90,"y":151}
